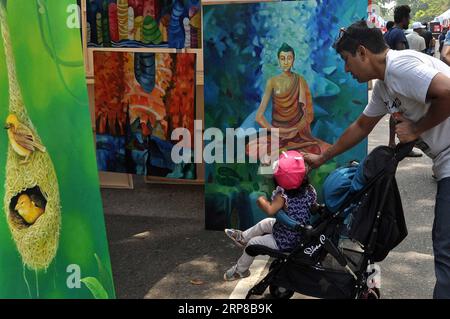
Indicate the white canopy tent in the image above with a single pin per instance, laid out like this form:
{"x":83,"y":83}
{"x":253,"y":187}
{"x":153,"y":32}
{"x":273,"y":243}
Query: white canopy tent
{"x":444,"y":16}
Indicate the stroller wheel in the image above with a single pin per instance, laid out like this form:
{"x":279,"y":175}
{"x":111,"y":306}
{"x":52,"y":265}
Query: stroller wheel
{"x":280,"y":292}
{"x":371,"y":293}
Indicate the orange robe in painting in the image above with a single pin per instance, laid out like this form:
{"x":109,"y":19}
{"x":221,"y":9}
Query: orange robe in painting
{"x":287,"y":112}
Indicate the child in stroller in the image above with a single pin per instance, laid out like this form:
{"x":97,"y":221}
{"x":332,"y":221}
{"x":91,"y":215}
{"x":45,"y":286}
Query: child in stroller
{"x":368,"y":211}
{"x":295,"y":195}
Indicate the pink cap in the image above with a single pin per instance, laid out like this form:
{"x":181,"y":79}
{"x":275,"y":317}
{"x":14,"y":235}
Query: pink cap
{"x":289,"y":170}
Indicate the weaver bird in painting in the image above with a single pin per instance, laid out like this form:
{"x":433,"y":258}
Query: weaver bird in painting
{"x":22,"y":138}
{"x":28,"y":209}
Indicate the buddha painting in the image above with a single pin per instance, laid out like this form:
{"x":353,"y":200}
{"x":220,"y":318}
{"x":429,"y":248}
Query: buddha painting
{"x":292,"y":111}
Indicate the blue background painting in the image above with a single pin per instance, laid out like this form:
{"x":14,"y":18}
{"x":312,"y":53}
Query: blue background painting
{"x":240,"y":54}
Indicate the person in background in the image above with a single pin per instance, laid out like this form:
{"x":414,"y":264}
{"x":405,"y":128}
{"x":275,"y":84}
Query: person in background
{"x":415,"y":40}
{"x":430,"y":42}
{"x":396,"y":40}
{"x":442,"y":39}
{"x":389,"y":25}
{"x":395,"y":37}
{"x":445,"y":54}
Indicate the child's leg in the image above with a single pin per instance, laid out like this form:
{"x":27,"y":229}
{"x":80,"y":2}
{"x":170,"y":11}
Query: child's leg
{"x":262,"y":228}
{"x":246,"y":260}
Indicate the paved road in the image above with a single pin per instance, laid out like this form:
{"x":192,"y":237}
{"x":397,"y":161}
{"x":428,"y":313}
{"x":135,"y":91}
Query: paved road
{"x":159,"y":248}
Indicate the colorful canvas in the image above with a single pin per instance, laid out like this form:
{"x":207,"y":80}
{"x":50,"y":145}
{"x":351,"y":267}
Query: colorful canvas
{"x":144,"y":23}
{"x":140,"y":99}
{"x":52,"y":234}
{"x":249,"y":83}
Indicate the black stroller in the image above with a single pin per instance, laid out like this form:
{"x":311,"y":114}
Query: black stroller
{"x":318,"y":266}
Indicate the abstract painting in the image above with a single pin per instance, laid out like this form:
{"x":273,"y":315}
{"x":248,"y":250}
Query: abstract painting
{"x":144,"y":23}
{"x":52,"y":235}
{"x":140,"y":98}
{"x":272,"y":65}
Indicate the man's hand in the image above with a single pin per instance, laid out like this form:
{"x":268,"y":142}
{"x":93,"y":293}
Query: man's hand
{"x":405,"y":129}
{"x":313,"y":160}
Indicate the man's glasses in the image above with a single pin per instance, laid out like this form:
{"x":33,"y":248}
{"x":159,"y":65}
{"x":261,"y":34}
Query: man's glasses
{"x":343,"y":33}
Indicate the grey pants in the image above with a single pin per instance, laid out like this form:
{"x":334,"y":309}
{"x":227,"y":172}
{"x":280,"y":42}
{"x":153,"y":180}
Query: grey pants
{"x":260,"y":234}
{"x":441,"y":240}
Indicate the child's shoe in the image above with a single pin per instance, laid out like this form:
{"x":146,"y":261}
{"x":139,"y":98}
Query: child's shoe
{"x":236,"y":236}
{"x":232,"y":274}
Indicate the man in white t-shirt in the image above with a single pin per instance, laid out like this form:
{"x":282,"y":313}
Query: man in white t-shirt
{"x":415,"y":41}
{"x":415,"y":87}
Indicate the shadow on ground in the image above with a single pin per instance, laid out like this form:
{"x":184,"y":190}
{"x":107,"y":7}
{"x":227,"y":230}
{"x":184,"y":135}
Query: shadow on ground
{"x":157,"y":257}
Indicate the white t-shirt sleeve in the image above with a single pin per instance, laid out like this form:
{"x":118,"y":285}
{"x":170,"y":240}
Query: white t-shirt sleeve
{"x":376,"y":105}
{"x":410,"y":77}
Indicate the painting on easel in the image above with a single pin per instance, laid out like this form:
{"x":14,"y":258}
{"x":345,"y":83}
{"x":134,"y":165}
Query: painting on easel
{"x":144,"y":23}
{"x":140,"y":98}
{"x":52,"y":232}
{"x":276,"y":69}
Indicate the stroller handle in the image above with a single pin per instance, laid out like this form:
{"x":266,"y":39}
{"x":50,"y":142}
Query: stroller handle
{"x":403,"y":149}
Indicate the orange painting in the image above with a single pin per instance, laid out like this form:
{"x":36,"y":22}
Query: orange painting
{"x":140,"y":98}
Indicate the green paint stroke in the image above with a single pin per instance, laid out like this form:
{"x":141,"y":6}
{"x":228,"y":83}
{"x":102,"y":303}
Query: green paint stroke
{"x":95,"y":287}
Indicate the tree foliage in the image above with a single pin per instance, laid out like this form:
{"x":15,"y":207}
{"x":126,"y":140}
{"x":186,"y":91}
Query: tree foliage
{"x":431,"y":9}
{"x":421,"y":10}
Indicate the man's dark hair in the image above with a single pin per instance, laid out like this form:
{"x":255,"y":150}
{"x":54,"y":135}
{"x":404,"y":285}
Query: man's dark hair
{"x":285,"y":48}
{"x":390,"y":25}
{"x":360,"y":34}
{"x":401,"y":12}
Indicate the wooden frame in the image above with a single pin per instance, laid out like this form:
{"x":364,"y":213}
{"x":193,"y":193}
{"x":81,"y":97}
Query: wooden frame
{"x":116,"y":180}
{"x":90,"y":58}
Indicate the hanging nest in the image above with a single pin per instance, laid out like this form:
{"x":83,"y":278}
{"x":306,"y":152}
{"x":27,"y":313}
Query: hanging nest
{"x":37,"y":242}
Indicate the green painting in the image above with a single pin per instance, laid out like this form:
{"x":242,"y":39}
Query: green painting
{"x":52,"y":233}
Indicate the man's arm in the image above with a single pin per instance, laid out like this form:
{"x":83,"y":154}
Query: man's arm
{"x":399,"y":39}
{"x":439,"y":94}
{"x":354,"y":134}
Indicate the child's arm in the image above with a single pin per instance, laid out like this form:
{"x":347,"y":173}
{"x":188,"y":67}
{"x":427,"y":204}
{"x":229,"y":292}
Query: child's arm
{"x":271,"y":208}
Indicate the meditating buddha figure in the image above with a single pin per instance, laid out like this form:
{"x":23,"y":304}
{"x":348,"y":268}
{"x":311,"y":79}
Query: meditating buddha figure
{"x":292,"y":110}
